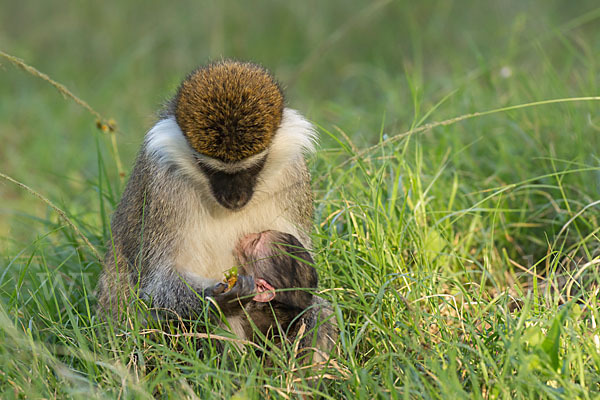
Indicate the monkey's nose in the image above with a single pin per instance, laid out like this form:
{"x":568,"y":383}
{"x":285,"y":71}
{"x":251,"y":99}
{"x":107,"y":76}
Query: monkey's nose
{"x":241,"y":201}
{"x":235,"y":201}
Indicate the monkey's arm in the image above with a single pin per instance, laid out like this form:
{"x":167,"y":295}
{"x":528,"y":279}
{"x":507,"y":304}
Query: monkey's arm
{"x":187,"y":299}
{"x":140,"y":261}
{"x":162,"y":289}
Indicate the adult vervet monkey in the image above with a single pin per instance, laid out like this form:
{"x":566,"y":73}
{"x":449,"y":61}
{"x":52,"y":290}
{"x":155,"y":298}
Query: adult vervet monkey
{"x":226,"y":159}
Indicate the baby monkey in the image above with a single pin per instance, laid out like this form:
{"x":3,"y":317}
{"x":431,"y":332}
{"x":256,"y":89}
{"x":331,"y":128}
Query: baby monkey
{"x":272,"y":265}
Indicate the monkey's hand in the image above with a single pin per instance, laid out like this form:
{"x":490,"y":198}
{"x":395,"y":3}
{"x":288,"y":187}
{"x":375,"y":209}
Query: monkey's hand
{"x":241,"y":291}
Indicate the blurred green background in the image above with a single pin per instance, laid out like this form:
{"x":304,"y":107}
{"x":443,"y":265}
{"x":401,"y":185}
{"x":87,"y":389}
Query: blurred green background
{"x":356,"y":65}
{"x":427,"y":247}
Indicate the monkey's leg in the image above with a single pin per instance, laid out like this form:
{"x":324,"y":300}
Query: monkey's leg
{"x":321,"y":332}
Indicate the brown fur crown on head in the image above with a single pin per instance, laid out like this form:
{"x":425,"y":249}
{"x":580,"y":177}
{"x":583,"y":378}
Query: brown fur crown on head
{"x":229,"y":110}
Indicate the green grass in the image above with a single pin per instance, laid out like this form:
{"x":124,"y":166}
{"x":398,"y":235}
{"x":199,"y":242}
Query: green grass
{"x":462,"y":259}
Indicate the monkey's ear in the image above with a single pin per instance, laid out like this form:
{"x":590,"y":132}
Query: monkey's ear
{"x":265,"y":292}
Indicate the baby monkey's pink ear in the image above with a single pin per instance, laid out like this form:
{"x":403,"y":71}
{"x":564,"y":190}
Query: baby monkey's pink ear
{"x":264,"y":291}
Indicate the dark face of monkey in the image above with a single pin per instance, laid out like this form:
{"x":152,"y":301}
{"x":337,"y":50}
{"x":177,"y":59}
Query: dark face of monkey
{"x":233,"y":190}
{"x":270,"y":261}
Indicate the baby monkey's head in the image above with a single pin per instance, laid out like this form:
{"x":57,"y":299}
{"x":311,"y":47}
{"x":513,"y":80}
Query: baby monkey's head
{"x":277,"y":260}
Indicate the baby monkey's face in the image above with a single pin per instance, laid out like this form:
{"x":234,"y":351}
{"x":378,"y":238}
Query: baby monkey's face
{"x":254,"y":248}
{"x":252,"y":252}
{"x":261,"y":252}
{"x":274,"y":260}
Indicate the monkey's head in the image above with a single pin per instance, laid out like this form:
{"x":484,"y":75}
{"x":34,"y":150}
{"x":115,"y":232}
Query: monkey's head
{"x":277,"y":260}
{"x":229,"y":112}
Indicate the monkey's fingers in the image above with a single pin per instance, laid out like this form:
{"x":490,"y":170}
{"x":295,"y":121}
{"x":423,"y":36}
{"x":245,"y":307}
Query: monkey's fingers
{"x":219,"y":288}
{"x":242,"y":290}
